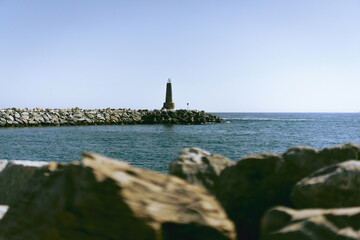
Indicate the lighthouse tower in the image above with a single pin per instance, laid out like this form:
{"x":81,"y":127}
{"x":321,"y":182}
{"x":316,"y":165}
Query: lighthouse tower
{"x":168,"y":104}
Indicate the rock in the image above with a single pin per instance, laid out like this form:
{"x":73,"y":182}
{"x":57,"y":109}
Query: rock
{"x":9,"y":122}
{"x":39,"y":119}
{"x":330,"y":187}
{"x":3,"y":163}
{"x":3,"y":210}
{"x":9,"y":118}
{"x":32,"y":122}
{"x":283,"y":223}
{"x":25,"y":117}
{"x":103,"y":198}
{"x":199,"y":167}
{"x":256,"y":183}
{"x":303,"y":161}
{"x":248,"y":188}
{"x":14,"y":175}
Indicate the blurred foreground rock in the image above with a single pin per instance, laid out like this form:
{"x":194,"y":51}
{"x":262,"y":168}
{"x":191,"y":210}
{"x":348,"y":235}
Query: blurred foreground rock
{"x":283,"y":223}
{"x":199,"y":167}
{"x":14,"y":178}
{"x":102,"y":198}
{"x":258,"y":182}
{"x":334,"y":186}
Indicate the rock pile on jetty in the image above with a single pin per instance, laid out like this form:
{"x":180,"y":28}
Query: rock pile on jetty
{"x":180,"y":117}
{"x":302,"y":194}
{"x":70,"y":117}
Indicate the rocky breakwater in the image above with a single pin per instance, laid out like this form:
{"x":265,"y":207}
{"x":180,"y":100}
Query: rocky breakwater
{"x":180,"y":117}
{"x":70,"y":117}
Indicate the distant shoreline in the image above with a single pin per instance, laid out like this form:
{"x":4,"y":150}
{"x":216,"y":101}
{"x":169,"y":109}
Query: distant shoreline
{"x":38,"y":117}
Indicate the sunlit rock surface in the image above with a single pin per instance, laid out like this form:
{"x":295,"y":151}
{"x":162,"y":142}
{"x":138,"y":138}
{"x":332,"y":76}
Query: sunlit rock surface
{"x":199,"y":167}
{"x":102,"y":198}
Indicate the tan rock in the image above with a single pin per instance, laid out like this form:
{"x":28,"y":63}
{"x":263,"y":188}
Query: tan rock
{"x":114,"y":118}
{"x":199,"y":167}
{"x":283,"y":223}
{"x":103,"y":198}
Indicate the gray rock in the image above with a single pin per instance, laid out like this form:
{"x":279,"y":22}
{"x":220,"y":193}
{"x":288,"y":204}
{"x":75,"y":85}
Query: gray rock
{"x":256,"y":183}
{"x":199,"y":167}
{"x":303,"y":161}
{"x":46,"y":118}
{"x":248,"y":188}
{"x":330,"y":187}
{"x":25,"y":117}
{"x":32,"y":122}
{"x":3,"y":163}
{"x":283,"y":223}
{"x":14,"y":176}
{"x":9,"y":118}
{"x":18,"y":120}
{"x":39,"y":119}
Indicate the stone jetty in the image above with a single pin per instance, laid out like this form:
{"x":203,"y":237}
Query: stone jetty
{"x":13,"y":117}
{"x":302,"y":194}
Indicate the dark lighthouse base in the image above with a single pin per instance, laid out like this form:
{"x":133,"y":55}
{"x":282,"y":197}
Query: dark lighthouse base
{"x":169,"y":106}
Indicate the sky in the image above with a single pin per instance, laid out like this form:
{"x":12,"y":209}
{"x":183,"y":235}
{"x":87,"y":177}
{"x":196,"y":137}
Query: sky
{"x":221,"y":56}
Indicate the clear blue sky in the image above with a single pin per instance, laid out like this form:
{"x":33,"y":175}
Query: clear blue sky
{"x":239,"y":56}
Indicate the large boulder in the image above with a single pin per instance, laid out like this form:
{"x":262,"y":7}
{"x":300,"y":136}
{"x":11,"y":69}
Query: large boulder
{"x":14,"y":177}
{"x":257,"y":182}
{"x":248,"y":188}
{"x":102,"y":198}
{"x":199,"y":167}
{"x":335,"y":186}
{"x":303,"y":161}
{"x":282,"y":223}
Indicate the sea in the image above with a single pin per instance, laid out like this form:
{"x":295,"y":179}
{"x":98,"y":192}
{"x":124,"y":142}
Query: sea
{"x":153,"y":147}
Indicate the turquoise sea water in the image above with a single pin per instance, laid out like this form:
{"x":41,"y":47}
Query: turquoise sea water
{"x":154,"y":146}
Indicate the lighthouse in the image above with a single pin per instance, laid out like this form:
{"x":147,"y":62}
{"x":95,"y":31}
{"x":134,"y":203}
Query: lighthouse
{"x":168,"y":104}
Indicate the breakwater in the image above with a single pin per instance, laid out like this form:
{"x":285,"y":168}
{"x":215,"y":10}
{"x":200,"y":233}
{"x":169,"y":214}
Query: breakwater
{"x":13,"y":117}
